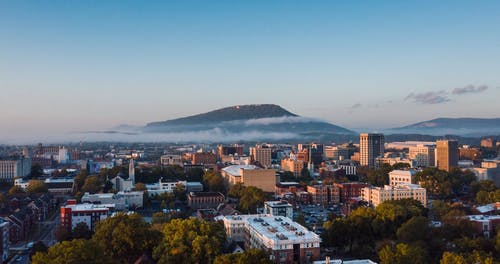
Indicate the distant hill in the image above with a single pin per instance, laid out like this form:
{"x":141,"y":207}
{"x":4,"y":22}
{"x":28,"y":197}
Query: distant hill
{"x":475,"y":127}
{"x":247,"y":119}
{"x":232,"y":113}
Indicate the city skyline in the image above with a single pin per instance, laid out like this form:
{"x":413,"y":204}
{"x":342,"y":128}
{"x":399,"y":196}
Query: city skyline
{"x":91,"y":65}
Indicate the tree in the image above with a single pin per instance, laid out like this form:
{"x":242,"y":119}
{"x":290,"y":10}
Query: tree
{"x":38,"y":246}
{"x":251,"y":256}
{"x":180,"y":192}
{"x":415,"y":229}
{"x":79,"y":181}
{"x":452,"y":258}
{"x":3,"y":200}
{"x":190,"y":241}
{"x":82,"y":231}
{"x":251,"y":198}
{"x":125,"y":237}
{"x":78,"y":251}
{"x":140,"y":187}
{"x":36,"y":171}
{"x":62,"y":234}
{"x":439,"y":208}
{"x":403,"y":254}
{"x":15,"y":190}
{"x":213,"y":182}
{"x":36,"y":186}
{"x":92,"y":184}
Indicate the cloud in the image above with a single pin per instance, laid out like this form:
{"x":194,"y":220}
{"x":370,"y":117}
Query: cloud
{"x":429,"y":97}
{"x":278,"y":120}
{"x":355,"y":106}
{"x":469,"y":89}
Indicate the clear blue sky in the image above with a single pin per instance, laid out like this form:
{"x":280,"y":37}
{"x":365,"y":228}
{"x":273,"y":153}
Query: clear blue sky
{"x":83,"y":65}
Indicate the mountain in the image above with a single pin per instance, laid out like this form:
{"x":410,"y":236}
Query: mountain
{"x":475,"y":127}
{"x":240,"y":112}
{"x":245,"y":121}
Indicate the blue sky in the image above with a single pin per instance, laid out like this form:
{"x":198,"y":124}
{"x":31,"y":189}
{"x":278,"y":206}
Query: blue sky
{"x":84,"y":65}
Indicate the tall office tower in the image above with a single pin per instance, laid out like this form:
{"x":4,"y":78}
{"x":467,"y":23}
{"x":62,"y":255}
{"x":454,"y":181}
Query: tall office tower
{"x":262,"y":154}
{"x":131,"y":171}
{"x":371,"y":146}
{"x":446,"y":154}
{"x":423,"y":155}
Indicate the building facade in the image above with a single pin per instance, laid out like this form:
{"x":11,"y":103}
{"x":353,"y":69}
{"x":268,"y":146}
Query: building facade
{"x":204,"y":200}
{"x":371,"y":146}
{"x":378,"y":195}
{"x":250,"y":175}
{"x":446,"y":154}
{"x":278,"y":208}
{"x":73,"y":214}
{"x":423,"y":155}
{"x":262,"y":155}
{"x":397,"y":177}
{"x":285,"y":240}
{"x":9,"y":169}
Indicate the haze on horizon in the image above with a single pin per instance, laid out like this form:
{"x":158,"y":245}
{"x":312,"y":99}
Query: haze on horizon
{"x":69,"y":66}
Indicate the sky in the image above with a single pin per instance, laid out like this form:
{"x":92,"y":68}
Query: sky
{"x":70,"y":66}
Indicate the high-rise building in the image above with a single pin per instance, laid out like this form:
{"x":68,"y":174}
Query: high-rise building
{"x":261,"y":154}
{"x":131,"y":171}
{"x":446,"y":154}
{"x":371,"y":146}
{"x":9,"y":169}
{"x":423,"y":155}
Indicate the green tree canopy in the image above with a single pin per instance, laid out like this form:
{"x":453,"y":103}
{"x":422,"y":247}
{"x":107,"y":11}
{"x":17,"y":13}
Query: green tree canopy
{"x":213,"y":182}
{"x":190,"y":241}
{"x":15,"y":190}
{"x":403,"y":254}
{"x":415,"y":229}
{"x":82,"y":231}
{"x":78,"y":251}
{"x":252,"y":256}
{"x":125,"y":237}
{"x":36,"y":186}
{"x":92,"y":184}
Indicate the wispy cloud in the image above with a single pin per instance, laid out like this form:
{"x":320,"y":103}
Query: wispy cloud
{"x":428,"y":97}
{"x":355,"y":106}
{"x":469,"y":89}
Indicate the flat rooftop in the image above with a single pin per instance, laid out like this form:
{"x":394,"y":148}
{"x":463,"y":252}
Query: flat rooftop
{"x":235,"y":170}
{"x":281,"y":228}
{"x":89,"y":207}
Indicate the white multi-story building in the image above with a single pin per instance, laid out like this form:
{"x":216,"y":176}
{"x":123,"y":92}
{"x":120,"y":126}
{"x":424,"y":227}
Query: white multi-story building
{"x":423,"y":154}
{"x":63,"y":156}
{"x":163,"y":187}
{"x":378,"y":195}
{"x":278,"y":208}
{"x":285,"y":240}
{"x":9,"y":169}
{"x":73,"y":214}
{"x":122,"y":200}
{"x":170,"y":160}
{"x":397,"y":177}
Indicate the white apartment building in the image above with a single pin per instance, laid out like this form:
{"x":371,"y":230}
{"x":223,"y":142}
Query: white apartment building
{"x":285,"y":240}
{"x":122,"y":200}
{"x":163,"y":187}
{"x":378,"y":195}
{"x":397,"y":177}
